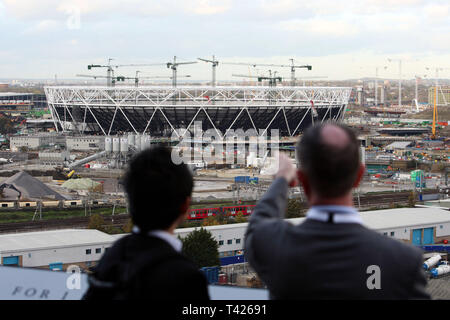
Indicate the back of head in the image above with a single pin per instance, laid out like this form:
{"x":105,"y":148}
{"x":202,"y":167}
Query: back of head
{"x":329,"y":157}
{"x":156,"y":188}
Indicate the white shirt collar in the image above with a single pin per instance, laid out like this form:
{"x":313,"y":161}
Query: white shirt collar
{"x":341,"y":214}
{"x":164,"y":235}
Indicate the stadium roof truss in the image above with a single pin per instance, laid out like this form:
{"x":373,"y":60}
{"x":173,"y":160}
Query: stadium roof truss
{"x":152,"y":109}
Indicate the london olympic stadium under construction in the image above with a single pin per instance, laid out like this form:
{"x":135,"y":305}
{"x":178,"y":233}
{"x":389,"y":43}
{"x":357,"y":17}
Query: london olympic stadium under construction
{"x":158,"y":110}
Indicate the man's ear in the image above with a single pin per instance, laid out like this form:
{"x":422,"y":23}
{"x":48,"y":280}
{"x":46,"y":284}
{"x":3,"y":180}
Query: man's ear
{"x":304,"y":182}
{"x":361,"y":170}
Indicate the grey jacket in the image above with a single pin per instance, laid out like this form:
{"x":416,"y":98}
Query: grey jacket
{"x":319,"y":260}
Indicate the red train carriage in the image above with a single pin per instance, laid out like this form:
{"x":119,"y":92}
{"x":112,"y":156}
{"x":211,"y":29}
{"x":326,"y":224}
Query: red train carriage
{"x":202,"y":213}
{"x":246,"y":210}
{"x":196,"y":214}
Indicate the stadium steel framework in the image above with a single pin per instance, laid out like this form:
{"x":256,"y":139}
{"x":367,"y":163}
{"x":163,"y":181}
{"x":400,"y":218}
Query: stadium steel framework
{"x":158,"y":110}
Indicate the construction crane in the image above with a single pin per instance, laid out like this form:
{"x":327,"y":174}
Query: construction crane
{"x":292,"y":66}
{"x":272,"y":79}
{"x":433,"y":128}
{"x":111,"y":79}
{"x":110,"y":71}
{"x":214,"y":64}
{"x":123,"y":78}
{"x":174,"y":65}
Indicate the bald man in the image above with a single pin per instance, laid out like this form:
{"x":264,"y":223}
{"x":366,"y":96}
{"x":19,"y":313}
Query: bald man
{"x":331,"y":255}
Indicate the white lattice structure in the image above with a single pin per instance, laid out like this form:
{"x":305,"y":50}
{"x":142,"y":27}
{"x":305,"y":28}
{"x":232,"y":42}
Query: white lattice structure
{"x":158,"y":110}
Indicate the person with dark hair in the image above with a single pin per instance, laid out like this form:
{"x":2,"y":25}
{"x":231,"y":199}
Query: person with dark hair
{"x":331,"y":255}
{"x":148,"y":263}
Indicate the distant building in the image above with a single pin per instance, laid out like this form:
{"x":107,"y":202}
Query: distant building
{"x":34,"y":142}
{"x":85,"y":143}
{"x":21,"y":102}
{"x":29,"y":142}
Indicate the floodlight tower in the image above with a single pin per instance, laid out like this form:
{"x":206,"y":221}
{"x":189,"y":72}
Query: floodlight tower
{"x":376,"y":84}
{"x":136,"y":79}
{"x":173,"y":65}
{"x":399,"y":80}
{"x":417,"y":78}
{"x":214,"y":64}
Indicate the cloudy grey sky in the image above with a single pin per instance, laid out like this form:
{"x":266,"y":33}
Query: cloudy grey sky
{"x":341,"y":39}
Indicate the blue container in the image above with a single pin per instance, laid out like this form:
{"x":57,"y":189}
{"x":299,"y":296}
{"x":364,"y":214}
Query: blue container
{"x":211,"y":274}
{"x":242,"y":179}
{"x":232,"y":260}
{"x":56,"y":266}
{"x":239,"y":179}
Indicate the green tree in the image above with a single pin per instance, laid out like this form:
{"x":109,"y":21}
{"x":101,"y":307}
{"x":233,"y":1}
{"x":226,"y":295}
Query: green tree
{"x":202,"y":248}
{"x":96,"y":221}
{"x":294,"y":209}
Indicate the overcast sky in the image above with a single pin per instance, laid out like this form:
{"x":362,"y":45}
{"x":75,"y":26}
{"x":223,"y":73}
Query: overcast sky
{"x":340,"y":39}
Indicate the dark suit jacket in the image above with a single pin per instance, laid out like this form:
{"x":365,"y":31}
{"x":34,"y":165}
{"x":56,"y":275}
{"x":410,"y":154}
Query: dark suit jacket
{"x":150,"y":269}
{"x":319,"y":260}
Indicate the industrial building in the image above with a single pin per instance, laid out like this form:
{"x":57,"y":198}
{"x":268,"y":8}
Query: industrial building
{"x":85,"y":143}
{"x":34,"y":142}
{"x":417,"y":226}
{"x":54,"y":249}
{"x":21,"y":102}
{"x":45,"y":140}
{"x":160,"y":110}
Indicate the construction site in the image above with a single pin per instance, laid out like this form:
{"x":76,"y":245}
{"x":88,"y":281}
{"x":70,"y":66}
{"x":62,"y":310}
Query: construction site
{"x":66,"y":149}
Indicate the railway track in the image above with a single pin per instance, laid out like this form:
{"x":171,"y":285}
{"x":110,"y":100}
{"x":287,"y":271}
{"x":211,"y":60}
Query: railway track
{"x":381,"y":199}
{"x":365,"y":201}
{"x":77,"y":222}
